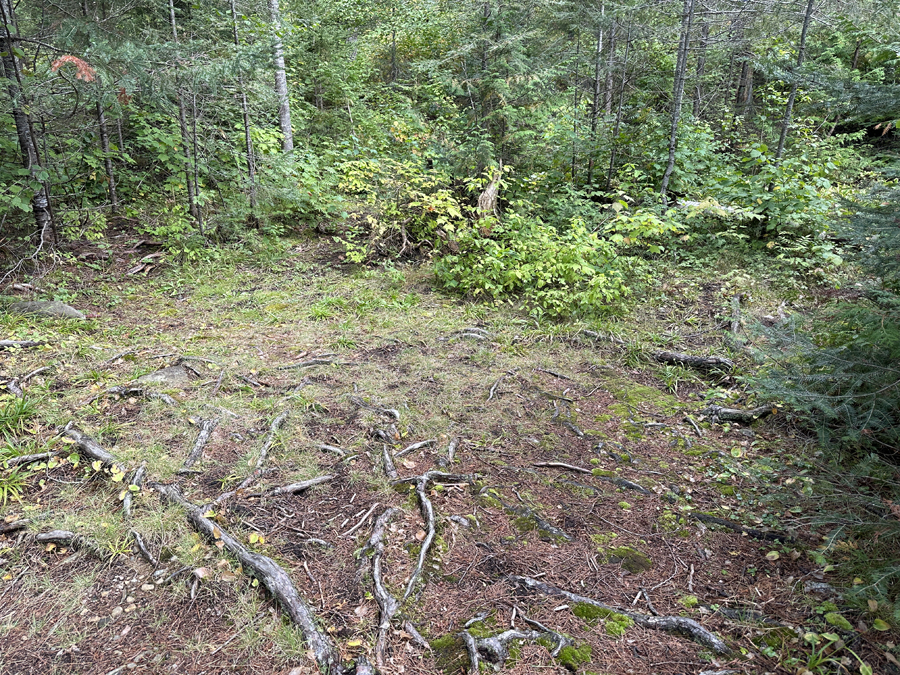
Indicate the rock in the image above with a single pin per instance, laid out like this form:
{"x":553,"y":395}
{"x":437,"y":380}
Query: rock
{"x":147,"y":587}
{"x":116,"y":612}
{"x":174,"y":376}
{"x":53,"y":308}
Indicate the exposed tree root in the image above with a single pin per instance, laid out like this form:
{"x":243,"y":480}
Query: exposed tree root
{"x":30,"y":459}
{"x":677,"y":625}
{"x":14,"y":526}
{"x":719,"y":414}
{"x":389,"y":469}
{"x":387,"y":603}
{"x":389,"y":412}
{"x":495,"y":648}
{"x":125,"y":391}
{"x":428,"y":516}
{"x":206,"y":429}
{"x":143,"y":550}
{"x":415,"y":446}
{"x":137,"y":480}
{"x":293,"y":488}
{"x":89,"y":446}
{"x":696,"y":362}
{"x":307,"y":364}
{"x":20,"y":344}
{"x":749,"y":531}
{"x":340,"y":452}
{"x":618,"y":482}
{"x":270,"y":573}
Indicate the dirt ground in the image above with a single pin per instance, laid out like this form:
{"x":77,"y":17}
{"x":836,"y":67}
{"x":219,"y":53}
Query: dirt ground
{"x":576,"y":461}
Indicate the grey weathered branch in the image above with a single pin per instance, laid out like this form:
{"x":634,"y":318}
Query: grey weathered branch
{"x":20,"y":344}
{"x":749,"y":531}
{"x":30,"y":459}
{"x":678,"y":625}
{"x":89,"y":447}
{"x":294,"y":488}
{"x":137,"y":480}
{"x":719,"y":413}
{"x":387,"y":603}
{"x":415,"y":446}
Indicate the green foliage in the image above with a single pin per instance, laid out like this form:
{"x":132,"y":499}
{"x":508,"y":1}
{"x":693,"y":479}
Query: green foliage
{"x":14,"y":415}
{"x":573,"y":272}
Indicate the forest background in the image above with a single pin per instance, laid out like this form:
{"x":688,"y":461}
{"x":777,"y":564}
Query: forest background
{"x":553,"y":155}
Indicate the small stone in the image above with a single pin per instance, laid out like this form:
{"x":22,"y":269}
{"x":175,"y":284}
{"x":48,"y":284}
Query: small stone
{"x":131,"y":608}
{"x":125,"y":631}
{"x":147,"y":587}
{"x":131,"y":666}
{"x":175,"y":376}
{"x":104,"y":594}
{"x":117,"y":611}
{"x":129,"y":599}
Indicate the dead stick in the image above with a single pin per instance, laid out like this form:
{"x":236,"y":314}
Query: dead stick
{"x":362,"y":520}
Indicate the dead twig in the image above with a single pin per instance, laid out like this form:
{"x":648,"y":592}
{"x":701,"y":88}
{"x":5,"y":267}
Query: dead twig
{"x":206,"y":429}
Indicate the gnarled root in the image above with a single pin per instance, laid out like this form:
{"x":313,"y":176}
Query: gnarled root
{"x":270,"y":573}
{"x":671,"y":624}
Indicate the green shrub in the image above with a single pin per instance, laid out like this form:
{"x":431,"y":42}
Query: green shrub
{"x":550,"y":272}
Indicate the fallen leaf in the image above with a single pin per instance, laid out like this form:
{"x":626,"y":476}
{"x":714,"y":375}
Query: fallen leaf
{"x":420,"y":535}
{"x":201,"y":572}
{"x":881,"y":625}
{"x":409,"y":464}
{"x":773,"y":556}
{"x":873,"y":605}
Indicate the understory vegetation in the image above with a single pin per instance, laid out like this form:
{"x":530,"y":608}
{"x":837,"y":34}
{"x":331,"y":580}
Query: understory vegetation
{"x":486,"y":314}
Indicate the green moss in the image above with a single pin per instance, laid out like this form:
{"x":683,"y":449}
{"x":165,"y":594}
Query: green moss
{"x":689,"y":601}
{"x":618,"y":628}
{"x":603,"y":539}
{"x":727,"y":490}
{"x":624,"y":505}
{"x":632,"y":560}
{"x":572,"y":657}
{"x":827,"y":607}
{"x":603,"y":472}
{"x":633,"y":395}
{"x":450,"y":653}
{"x":615,"y":624}
{"x":838,"y":621}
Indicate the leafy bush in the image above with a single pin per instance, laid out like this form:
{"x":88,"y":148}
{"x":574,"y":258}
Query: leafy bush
{"x":551,"y":272}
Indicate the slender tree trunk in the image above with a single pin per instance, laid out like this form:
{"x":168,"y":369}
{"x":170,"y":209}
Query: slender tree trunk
{"x":183,"y":128}
{"x":245,"y":111}
{"x":618,"y":122}
{"x":281,"y":88}
{"x":744,"y":96}
{"x":196,"y":155}
{"x":701,"y":69}
{"x":610,"y":68}
{"x":107,"y":158}
{"x":595,"y":102}
{"x":789,"y":108}
{"x":40,"y":201}
{"x":680,"y":69}
{"x":575,"y":107}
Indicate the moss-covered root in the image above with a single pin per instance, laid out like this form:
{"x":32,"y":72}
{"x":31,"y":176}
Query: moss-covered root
{"x":670,"y":624}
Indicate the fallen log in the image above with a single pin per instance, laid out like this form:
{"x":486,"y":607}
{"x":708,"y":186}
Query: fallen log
{"x":696,"y":362}
{"x":677,"y":625}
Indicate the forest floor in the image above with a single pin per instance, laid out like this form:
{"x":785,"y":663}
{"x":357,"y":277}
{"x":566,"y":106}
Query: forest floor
{"x":568,"y":458}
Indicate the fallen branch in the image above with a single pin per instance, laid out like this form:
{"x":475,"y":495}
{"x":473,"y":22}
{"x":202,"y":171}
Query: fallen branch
{"x":332,"y":448}
{"x":696,"y":362}
{"x":451,"y":449}
{"x":272,"y":576}
{"x":749,"y":531}
{"x":618,"y":482}
{"x":361,"y":520}
{"x":718,"y":413}
{"x":562,"y":465}
{"x":494,"y":388}
{"x":554,"y":374}
{"x":206,"y":429}
{"x":677,"y":625}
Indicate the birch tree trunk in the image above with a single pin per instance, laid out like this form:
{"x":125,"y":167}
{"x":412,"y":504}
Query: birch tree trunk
{"x":595,"y":102}
{"x":284,"y":104}
{"x":40,"y":201}
{"x":789,"y":108}
{"x":680,"y":69}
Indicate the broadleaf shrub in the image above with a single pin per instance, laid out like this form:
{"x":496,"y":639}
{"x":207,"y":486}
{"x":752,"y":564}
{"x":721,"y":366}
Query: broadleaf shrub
{"x":572,"y":272}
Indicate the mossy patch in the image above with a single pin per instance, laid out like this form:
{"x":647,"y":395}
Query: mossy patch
{"x":634,"y":395}
{"x":689,"y":601}
{"x":603,"y":539}
{"x":615,"y":624}
{"x":450,"y":653}
{"x":572,"y":657}
{"x":632,"y":560}
{"x":727,"y":490}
